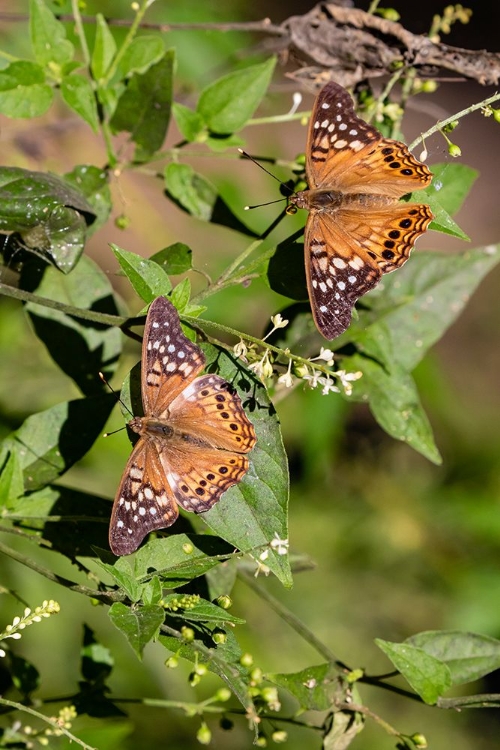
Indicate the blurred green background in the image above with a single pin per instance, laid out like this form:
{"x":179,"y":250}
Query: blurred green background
{"x":399,"y":545}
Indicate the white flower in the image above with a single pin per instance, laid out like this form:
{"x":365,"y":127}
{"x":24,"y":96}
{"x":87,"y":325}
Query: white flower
{"x":286,"y":379}
{"x":346,"y":378}
{"x":240,"y":349}
{"x":328,"y":386}
{"x":2,"y":653}
{"x":326,"y":355}
{"x":278,"y":321}
{"x":280,"y":545}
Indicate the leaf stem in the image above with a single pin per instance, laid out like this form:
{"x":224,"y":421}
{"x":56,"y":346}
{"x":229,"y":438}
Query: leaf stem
{"x":127,"y":41}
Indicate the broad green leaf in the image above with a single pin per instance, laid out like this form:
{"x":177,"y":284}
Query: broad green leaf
{"x":104,"y":48}
{"x":314,"y":687}
{"x":143,"y":109}
{"x":442,"y":221}
{"x":191,"y":190}
{"x":251,"y":514}
{"x":451,"y":184}
{"x":23,"y":91}
{"x":147,"y":278}
{"x":428,"y":676}
{"x":139,"y":625}
{"x":49,"y":214}
{"x":220,"y":143}
{"x":81,"y":348}
{"x":78,"y":94}
{"x":412,"y":307}
{"x":393,"y":400}
{"x":92,"y":182}
{"x":174,"y":259}
{"x":51,"y":441}
{"x":48,"y":38}
{"x":341,"y":727}
{"x":11,"y":480}
{"x":142,"y":53}
{"x":225,"y":662}
{"x":228,"y":103}
{"x":190,"y":123}
{"x":152,"y":591}
{"x":468,"y":656}
{"x":179,"y":558}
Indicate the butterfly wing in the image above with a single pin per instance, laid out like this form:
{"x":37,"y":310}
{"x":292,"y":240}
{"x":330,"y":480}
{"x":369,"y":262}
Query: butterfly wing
{"x":198,"y":476}
{"x":345,"y":153}
{"x":170,"y":361}
{"x":144,"y":500}
{"x":348,"y":251}
{"x":211,"y":409}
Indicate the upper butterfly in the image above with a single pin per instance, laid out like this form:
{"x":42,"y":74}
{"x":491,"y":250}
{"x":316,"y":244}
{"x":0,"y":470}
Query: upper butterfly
{"x":193,"y":436}
{"x":356,"y":230}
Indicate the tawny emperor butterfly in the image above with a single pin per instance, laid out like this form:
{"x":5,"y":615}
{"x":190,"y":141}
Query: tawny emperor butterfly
{"x":356,"y":230}
{"x":193,"y":437}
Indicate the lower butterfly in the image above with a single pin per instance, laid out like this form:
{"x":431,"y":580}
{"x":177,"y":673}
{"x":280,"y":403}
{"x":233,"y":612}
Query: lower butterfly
{"x":357,"y":229}
{"x":193,"y":437}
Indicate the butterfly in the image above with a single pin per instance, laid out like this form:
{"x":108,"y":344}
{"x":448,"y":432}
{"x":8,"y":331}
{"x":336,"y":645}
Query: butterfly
{"x":193,"y":437}
{"x":357,"y":229}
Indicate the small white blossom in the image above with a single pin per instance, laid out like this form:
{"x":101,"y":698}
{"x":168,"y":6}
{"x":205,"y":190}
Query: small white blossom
{"x":263,"y":369}
{"x":326,"y":355}
{"x":2,"y":653}
{"x":240,"y":349}
{"x":286,"y":379}
{"x":280,"y":545}
{"x":264,"y":555}
{"x":312,"y":380}
{"x":278,"y":321}
{"x":328,"y":386}
{"x":346,"y":378}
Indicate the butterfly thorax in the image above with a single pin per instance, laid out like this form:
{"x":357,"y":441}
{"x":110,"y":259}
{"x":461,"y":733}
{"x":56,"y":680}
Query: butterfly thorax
{"x":154,"y":427}
{"x":330,"y":200}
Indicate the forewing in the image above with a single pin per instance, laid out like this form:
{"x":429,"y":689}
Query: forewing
{"x":211,"y":409}
{"x":198,"y":476}
{"x":170,"y":361}
{"x":144,"y":501}
{"x":347,"y":154}
{"x":348,"y":251}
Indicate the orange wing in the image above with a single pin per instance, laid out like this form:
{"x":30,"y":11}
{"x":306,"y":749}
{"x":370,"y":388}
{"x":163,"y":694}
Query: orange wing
{"x":346,"y":154}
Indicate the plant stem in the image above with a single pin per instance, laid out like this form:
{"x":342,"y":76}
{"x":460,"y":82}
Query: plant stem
{"x":59,"y":729}
{"x":127,"y":41}
{"x":80,"y":31}
{"x":442,"y":123}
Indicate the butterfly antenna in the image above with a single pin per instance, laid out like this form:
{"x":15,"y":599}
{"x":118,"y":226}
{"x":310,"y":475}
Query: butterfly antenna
{"x":247,"y":156}
{"x":120,"y":400}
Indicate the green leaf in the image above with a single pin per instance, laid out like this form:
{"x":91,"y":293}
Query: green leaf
{"x":229,"y":103}
{"x":78,"y":94}
{"x":104,"y":48}
{"x":250,"y":515}
{"x":147,"y":278}
{"x":48,"y":37}
{"x":81,"y":348}
{"x":123,"y":575}
{"x":181,"y":294}
{"x":204,"y":612}
{"x":25,"y":675}
{"x":196,"y":195}
{"x":96,"y":660}
{"x":314,"y":687}
{"x":394,"y":402}
{"x":174,"y":259}
{"x":428,"y":676}
{"x":23,"y":91}
{"x":143,"y":52}
{"x":451,"y":184}
{"x":192,"y":191}
{"x":225,"y":663}
{"x":143,"y":110}
{"x":51,"y":441}
{"x":48,"y":213}
{"x":468,"y":656}
{"x":92,"y":182}
{"x":442,"y":221}
{"x":179,"y":558}
{"x":139,"y":625}
{"x":412,"y":308}
{"x":152,"y":591}
{"x":190,"y":123}
{"x":11,"y":480}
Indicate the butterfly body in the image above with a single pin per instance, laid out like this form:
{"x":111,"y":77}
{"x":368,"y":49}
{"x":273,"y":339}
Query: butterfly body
{"x":357,"y":229}
{"x":193,"y":439}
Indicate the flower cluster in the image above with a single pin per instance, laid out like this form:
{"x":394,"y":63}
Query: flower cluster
{"x":313,"y":371}
{"x":49,"y":607}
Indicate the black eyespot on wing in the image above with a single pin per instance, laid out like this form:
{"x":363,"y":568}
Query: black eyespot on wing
{"x":405,"y":223}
